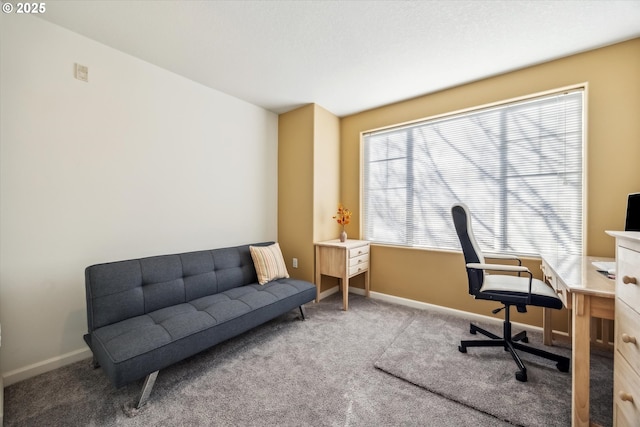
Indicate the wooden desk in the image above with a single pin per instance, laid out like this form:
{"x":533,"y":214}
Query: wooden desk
{"x":342,"y":260}
{"x":587,"y":294}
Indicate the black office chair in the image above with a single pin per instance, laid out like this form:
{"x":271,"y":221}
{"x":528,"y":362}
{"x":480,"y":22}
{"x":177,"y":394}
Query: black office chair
{"x":508,"y":289}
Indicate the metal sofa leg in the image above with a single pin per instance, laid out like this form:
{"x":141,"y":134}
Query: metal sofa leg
{"x":146,"y":389}
{"x":302,"y":312}
{"x":94,"y":362}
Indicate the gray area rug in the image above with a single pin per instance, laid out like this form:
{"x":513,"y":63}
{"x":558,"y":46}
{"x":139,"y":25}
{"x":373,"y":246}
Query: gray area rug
{"x":426,"y":354}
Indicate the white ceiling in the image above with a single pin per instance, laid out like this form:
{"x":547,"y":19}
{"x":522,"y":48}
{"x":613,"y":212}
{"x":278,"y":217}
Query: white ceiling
{"x":347,"y":56}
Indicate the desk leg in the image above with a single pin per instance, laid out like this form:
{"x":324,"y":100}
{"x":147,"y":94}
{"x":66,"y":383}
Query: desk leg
{"x":547,"y":330}
{"x":580,"y":359}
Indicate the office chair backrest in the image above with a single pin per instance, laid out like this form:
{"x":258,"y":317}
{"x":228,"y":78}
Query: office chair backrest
{"x":470,"y":248}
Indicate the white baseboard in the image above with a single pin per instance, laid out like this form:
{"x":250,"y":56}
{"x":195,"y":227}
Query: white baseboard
{"x":30,"y":371}
{"x":445,"y":310}
{"x":331,"y":292}
{"x":432,"y":307}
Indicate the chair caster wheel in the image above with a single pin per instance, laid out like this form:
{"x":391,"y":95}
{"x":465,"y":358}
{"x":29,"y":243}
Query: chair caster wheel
{"x":525,"y":340}
{"x":462,"y":349}
{"x":563,"y":366}
{"x":472,"y":330}
{"x":521,"y":376}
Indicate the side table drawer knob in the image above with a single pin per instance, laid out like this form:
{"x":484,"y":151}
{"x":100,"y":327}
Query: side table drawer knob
{"x":626,"y":397}
{"x":629,"y":280}
{"x":627,"y":339}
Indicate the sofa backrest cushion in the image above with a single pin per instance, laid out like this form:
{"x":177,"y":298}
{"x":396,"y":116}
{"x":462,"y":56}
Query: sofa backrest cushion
{"x":120,"y":290}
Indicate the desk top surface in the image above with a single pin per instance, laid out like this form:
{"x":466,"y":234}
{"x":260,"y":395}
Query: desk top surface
{"x":625,"y":235}
{"x":579,"y":275}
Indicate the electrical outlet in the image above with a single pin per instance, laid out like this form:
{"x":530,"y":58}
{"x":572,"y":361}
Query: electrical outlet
{"x":295,"y":263}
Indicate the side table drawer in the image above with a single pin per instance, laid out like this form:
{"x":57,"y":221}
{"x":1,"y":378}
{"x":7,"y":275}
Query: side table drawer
{"x":358,"y":260}
{"x":628,"y":270}
{"x":359,"y":268}
{"x":360,"y":250}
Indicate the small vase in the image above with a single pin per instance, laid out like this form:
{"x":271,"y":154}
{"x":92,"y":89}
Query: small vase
{"x":343,"y":236}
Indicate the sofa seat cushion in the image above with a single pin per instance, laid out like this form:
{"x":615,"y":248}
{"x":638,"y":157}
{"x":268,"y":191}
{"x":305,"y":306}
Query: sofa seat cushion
{"x":131,"y":337}
{"x":138,"y":335}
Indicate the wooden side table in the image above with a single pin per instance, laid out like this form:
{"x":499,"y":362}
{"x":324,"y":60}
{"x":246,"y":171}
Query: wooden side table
{"x":343,"y":260}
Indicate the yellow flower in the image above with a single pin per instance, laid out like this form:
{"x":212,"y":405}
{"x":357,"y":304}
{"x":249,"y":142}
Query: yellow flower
{"x":343,"y":216}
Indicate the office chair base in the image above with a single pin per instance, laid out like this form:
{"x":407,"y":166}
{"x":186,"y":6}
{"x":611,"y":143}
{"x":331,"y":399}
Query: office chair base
{"x":520,"y":336}
{"x":522,"y":376}
{"x":511,"y":344}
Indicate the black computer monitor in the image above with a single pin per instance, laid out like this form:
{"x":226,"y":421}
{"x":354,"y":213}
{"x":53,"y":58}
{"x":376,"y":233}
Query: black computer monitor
{"x":633,"y":213}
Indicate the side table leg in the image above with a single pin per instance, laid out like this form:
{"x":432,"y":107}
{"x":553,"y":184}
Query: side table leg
{"x":345,"y":292}
{"x":318,"y":274}
{"x":366,"y":283}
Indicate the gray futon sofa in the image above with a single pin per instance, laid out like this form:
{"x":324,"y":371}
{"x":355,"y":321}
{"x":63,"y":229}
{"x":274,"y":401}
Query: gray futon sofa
{"x":146,"y":314}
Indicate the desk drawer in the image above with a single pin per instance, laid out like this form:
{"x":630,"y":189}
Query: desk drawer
{"x":629,"y":271}
{"x":360,"y":250}
{"x":625,"y":383}
{"x":564,"y":296}
{"x":553,"y":281}
{"x":627,"y":322}
{"x":547,"y":275}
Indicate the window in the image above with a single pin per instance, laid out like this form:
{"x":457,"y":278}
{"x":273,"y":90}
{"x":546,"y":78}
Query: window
{"x":518,"y":167}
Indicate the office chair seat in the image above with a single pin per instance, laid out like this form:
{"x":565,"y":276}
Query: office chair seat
{"x":541,"y":294}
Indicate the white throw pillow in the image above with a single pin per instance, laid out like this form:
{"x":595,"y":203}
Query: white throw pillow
{"x":269,"y":263}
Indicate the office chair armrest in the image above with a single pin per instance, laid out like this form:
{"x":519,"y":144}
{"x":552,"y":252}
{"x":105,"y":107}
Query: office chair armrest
{"x":506,"y":268}
{"x":503,"y":256}
{"x":499,"y":267}
{"x":498,"y":256}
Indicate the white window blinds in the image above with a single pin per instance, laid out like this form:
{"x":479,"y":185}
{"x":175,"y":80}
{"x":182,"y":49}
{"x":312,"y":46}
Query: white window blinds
{"x":517,"y":166}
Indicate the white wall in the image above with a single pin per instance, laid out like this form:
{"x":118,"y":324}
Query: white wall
{"x":137,"y":162}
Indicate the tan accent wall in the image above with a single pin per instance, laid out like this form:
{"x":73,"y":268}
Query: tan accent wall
{"x":326,"y":174}
{"x":308,"y":184}
{"x":612,"y":157}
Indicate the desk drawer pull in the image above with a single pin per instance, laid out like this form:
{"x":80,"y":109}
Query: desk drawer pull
{"x":626,"y":397}
{"x":627,"y":339}
{"x":629,"y":280}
